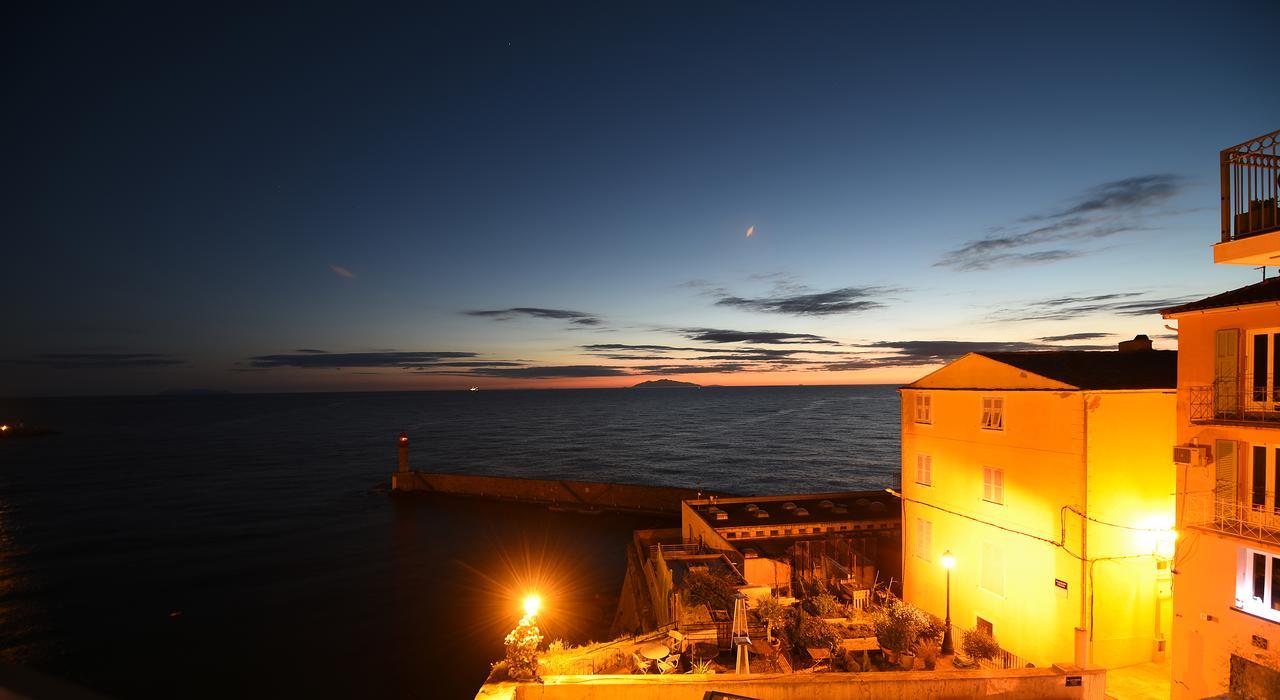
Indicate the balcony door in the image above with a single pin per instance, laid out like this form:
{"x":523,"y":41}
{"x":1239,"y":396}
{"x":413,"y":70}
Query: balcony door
{"x":1263,"y":379}
{"x":1264,"y":485}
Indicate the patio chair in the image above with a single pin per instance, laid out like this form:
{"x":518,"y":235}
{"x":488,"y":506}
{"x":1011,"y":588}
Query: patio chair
{"x":642,"y":664}
{"x":670,"y":664}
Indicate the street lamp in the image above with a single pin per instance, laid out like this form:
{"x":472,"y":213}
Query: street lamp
{"x":948,"y":563}
{"x":532,"y":603}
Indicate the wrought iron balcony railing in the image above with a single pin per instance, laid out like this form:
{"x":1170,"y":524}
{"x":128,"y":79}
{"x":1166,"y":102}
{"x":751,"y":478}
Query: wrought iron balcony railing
{"x":1251,"y":187}
{"x":1245,"y":399}
{"x":1233,"y":517}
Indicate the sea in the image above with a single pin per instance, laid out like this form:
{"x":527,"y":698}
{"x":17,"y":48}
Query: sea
{"x":248,"y":546}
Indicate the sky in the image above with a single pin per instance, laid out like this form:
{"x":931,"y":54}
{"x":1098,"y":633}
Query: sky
{"x":340,"y":197}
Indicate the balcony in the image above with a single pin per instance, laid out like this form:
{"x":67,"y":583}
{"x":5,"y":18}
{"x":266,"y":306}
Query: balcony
{"x":1241,"y":400}
{"x":1208,"y":511}
{"x":1250,"y":176}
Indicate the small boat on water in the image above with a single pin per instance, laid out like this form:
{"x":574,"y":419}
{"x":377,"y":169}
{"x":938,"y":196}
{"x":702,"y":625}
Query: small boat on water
{"x":475,"y":388}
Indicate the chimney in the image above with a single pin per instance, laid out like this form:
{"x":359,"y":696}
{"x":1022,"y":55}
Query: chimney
{"x":1140,"y":343}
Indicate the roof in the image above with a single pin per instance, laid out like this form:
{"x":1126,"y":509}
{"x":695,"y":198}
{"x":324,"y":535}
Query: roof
{"x":814,"y":508}
{"x":1257,"y":293}
{"x":1143,"y":369}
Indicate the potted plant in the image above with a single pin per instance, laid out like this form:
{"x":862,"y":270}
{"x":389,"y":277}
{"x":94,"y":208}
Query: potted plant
{"x":928,"y":651}
{"x":898,"y":626}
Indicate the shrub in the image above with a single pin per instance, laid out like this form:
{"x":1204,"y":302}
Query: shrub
{"x":933,"y":629}
{"x":711,"y":588}
{"x":979,"y":645}
{"x":805,"y":630}
{"x":522,"y":649}
{"x":826,"y":605}
{"x":701,"y":666}
{"x":898,"y":625}
{"x":773,"y":613}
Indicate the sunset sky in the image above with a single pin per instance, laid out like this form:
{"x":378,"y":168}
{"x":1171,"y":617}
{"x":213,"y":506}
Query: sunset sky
{"x":559,"y":195}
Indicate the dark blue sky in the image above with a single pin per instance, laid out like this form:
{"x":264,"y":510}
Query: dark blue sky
{"x":197,"y":194}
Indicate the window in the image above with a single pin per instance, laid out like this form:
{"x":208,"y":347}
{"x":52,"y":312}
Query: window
{"x":1264,"y":368}
{"x":986,"y":627}
{"x":924,"y":470}
{"x":1265,"y":466}
{"x":773,"y":533}
{"x":924,"y":408}
{"x":992,"y":568}
{"x":924,"y":539}
{"x":993,"y":485}
{"x":730,"y":534}
{"x":992,"y":413}
{"x":1260,"y":584}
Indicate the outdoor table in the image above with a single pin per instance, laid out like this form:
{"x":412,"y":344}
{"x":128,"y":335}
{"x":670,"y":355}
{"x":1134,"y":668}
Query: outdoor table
{"x":860,"y":644}
{"x":819,"y":653}
{"x":655,"y":651}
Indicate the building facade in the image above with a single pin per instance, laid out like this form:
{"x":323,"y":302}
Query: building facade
{"x":1227,"y":567}
{"x":1047,"y":477}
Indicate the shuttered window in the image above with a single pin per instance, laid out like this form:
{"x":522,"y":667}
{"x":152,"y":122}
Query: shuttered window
{"x":924,"y":539}
{"x":1225,"y":470}
{"x":924,"y":408}
{"x":993,"y":485}
{"x":924,"y":470}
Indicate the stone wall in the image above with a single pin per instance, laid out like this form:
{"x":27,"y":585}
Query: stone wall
{"x":1006,"y":685}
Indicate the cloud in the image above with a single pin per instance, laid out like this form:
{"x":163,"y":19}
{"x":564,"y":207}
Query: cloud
{"x":721,"y":368}
{"x":1073,"y":307}
{"x":342,"y":271}
{"x":1105,"y":210}
{"x":100,"y":360}
{"x":1074,"y":336}
{"x":717,"y":335}
{"x":575,"y":317}
{"x":553,"y":372}
{"x":836,"y":301}
{"x":310,"y":360}
{"x":912,"y":353}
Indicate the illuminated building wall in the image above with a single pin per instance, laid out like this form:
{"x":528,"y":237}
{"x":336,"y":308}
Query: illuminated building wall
{"x":1226,"y":525}
{"x":1006,"y":501}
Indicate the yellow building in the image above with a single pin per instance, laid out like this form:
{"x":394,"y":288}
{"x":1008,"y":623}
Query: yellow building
{"x":1227,"y":569}
{"x":1047,"y":476}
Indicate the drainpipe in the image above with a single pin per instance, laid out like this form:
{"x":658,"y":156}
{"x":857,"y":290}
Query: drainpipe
{"x":1082,"y":631}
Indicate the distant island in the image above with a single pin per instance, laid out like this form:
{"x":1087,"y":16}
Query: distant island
{"x":193,"y":392}
{"x":666,"y":384}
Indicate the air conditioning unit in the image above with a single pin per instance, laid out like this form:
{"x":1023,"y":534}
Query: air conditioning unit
{"x":1191,"y":455}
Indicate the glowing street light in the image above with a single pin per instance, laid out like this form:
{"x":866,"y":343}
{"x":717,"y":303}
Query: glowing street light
{"x":532,"y":604}
{"x":948,"y":562}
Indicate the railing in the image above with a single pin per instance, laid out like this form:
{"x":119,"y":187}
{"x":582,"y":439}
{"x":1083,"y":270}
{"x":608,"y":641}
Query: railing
{"x":1250,"y":175}
{"x":1233,"y":517}
{"x":1002,"y":660}
{"x":1243,"y":399}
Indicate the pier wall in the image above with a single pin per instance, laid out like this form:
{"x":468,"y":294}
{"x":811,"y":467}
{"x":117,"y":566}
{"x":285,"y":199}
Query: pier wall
{"x":579,"y":495}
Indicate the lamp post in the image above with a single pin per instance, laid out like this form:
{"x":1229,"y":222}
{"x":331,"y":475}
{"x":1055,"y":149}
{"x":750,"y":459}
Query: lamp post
{"x":948,"y":563}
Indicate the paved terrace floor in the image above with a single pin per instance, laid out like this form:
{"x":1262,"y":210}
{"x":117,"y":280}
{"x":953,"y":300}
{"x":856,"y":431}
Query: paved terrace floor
{"x":1139,"y":682}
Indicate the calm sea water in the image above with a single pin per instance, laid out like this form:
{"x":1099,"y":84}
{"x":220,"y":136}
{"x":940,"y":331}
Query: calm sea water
{"x":223,"y":546}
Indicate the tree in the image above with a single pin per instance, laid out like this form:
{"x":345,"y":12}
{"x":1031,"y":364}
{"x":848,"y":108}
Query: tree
{"x":522,"y":649}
